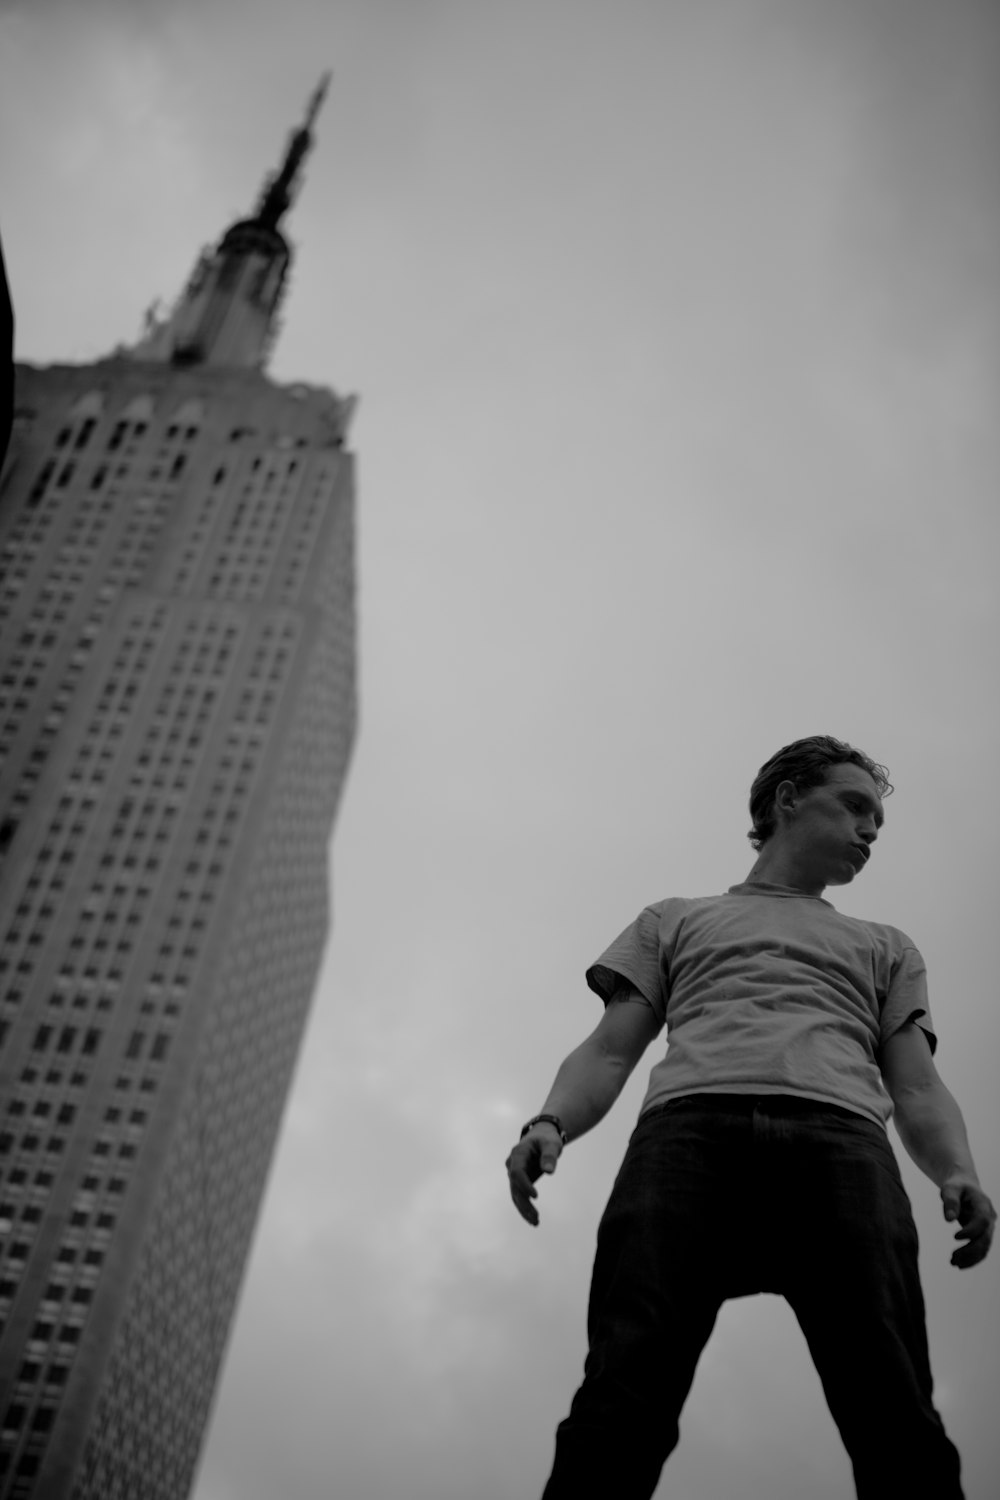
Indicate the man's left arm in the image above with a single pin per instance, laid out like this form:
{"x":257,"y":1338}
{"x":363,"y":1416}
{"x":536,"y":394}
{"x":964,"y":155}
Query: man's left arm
{"x":931,"y":1127}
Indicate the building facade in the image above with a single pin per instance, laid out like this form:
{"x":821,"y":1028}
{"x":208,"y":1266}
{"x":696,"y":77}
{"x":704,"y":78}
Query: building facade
{"x":177,"y":709}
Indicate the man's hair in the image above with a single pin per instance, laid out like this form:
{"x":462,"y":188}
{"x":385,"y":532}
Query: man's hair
{"x":805,"y":763}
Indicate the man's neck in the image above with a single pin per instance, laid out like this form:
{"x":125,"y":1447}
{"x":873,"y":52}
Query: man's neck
{"x":777,"y":866}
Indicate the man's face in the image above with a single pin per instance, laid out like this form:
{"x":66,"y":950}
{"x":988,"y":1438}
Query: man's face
{"x":837,"y":823}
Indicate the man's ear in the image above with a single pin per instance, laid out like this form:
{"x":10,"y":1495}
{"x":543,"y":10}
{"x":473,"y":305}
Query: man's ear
{"x":786,"y":795}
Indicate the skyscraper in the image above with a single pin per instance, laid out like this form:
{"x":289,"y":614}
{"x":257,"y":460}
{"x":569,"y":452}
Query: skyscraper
{"x":177,"y":713}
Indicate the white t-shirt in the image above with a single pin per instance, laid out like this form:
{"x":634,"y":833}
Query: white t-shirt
{"x":765,"y":990}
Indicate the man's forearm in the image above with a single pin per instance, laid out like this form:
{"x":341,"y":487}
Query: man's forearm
{"x":931,"y":1127}
{"x":588,"y":1082}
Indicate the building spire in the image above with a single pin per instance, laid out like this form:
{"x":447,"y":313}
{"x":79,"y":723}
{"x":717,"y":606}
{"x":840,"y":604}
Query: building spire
{"x":276,"y":197}
{"x":227,"y":313}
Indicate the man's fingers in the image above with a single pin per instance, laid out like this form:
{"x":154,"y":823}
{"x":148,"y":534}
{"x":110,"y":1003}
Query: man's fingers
{"x":977,"y":1217}
{"x":971,"y":1254}
{"x":522,"y":1201}
{"x":525,"y":1164}
{"x":521,"y":1190}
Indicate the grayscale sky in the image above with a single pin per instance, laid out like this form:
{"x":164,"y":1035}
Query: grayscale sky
{"x":676,"y":328}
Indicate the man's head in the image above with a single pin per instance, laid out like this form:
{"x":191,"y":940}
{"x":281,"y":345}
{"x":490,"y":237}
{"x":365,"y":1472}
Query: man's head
{"x":822,"y":789}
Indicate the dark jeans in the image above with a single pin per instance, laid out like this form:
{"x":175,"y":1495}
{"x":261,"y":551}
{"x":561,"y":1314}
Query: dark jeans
{"x":723,"y":1195}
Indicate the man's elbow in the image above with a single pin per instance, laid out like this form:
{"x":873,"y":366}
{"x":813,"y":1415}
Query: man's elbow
{"x":615,"y":1062}
{"x":917,"y":1106}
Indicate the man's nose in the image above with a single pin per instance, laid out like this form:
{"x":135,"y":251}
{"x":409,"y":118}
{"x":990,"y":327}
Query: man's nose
{"x":868,"y":831}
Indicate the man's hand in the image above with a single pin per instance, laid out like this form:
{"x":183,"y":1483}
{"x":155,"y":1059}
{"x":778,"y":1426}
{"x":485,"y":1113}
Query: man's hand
{"x":965,"y":1201}
{"x":538,"y":1152}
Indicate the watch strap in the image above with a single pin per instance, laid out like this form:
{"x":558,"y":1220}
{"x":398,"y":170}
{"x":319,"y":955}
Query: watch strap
{"x":548,"y":1120}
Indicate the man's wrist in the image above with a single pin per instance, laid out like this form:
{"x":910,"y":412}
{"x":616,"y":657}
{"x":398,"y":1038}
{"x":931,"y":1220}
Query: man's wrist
{"x":545,"y":1119}
{"x":960,"y":1177}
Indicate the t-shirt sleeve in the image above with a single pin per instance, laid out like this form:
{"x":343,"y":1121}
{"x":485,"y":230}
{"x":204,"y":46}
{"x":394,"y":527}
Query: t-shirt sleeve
{"x":907,"y":997}
{"x":633,"y":956}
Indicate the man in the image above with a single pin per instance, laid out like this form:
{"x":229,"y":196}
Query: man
{"x":760,"y":1161}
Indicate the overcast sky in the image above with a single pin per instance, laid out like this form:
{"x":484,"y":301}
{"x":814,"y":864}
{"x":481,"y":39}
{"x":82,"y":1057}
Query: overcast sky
{"x":676,"y":328}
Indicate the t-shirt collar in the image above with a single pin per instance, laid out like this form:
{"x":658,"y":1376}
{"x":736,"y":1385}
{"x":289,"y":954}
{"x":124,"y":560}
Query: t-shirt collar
{"x":764,"y":888}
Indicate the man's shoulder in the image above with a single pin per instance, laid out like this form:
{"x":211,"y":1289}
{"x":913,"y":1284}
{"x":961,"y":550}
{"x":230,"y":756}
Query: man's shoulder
{"x":884,"y":935}
{"x":671,"y":904}
{"x":670,"y":911}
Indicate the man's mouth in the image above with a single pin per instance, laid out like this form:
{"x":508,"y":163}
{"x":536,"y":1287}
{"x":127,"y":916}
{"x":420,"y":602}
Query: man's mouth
{"x":863,"y":850}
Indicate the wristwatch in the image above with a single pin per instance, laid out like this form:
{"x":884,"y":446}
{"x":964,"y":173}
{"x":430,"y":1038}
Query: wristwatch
{"x":549,"y":1120}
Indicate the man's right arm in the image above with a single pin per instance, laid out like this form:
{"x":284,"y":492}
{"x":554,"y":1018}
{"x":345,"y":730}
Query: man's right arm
{"x":588,"y":1082}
